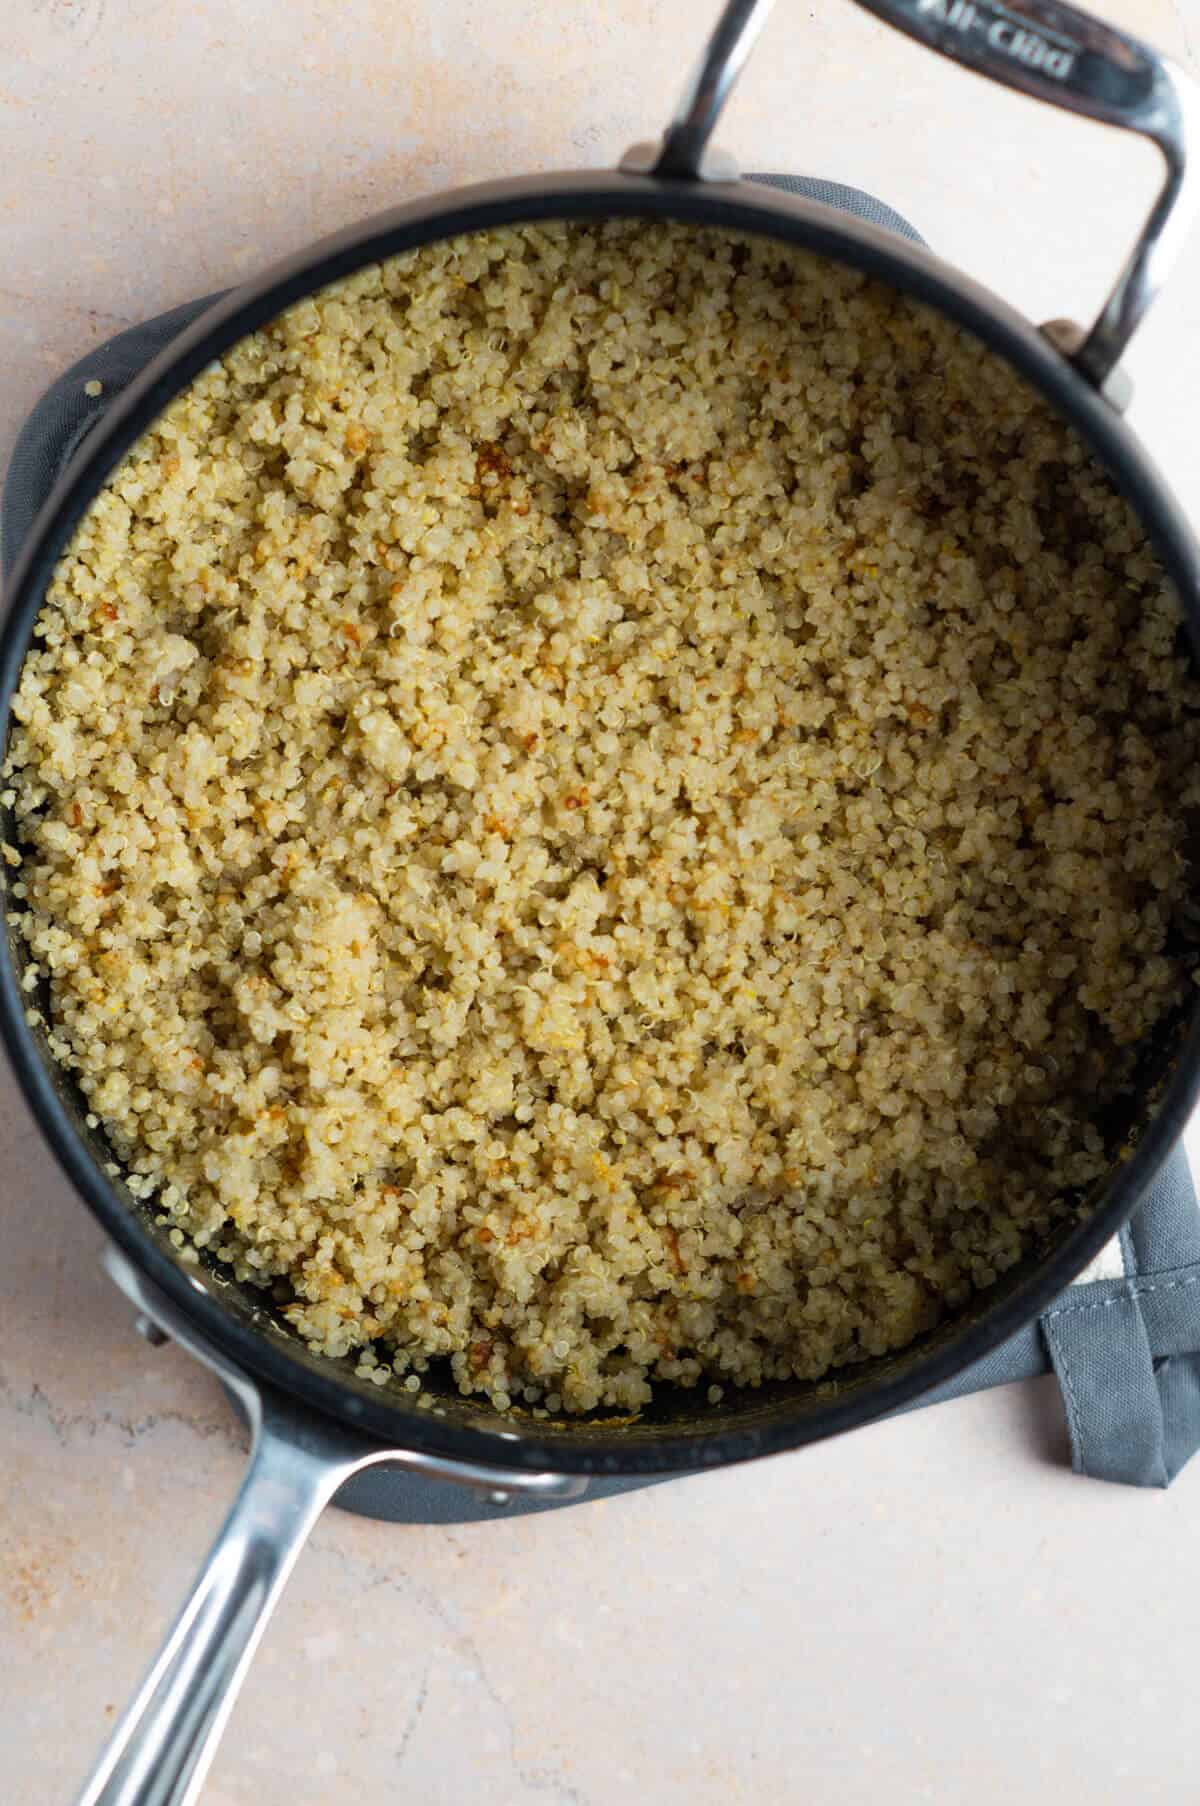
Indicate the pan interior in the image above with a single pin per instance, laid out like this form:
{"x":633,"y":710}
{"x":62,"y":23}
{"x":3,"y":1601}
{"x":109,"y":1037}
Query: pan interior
{"x":675,"y":1412}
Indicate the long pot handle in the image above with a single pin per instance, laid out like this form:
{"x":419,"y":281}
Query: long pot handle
{"x":1058,"y":54}
{"x":161,"y":1749}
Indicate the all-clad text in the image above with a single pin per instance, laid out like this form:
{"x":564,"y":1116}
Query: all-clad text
{"x":1005,"y":35}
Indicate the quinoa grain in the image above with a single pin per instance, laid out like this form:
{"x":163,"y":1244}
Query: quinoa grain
{"x":604,"y":802}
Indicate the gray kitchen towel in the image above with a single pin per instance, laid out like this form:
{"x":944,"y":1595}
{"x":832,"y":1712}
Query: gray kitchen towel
{"x":1123,"y":1341}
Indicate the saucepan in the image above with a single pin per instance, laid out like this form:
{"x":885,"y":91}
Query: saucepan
{"x":314,"y":1422}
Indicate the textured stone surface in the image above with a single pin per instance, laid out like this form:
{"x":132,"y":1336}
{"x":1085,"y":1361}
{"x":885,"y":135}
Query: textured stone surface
{"x":931,"y":1610}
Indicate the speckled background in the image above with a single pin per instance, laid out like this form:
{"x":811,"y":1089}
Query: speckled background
{"x":932,"y":1610}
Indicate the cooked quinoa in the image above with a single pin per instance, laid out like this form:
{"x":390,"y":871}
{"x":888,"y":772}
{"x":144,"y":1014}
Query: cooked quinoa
{"x":604,"y":802}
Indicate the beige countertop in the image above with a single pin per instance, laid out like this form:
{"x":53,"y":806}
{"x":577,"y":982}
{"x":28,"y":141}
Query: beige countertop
{"x":931,"y":1610}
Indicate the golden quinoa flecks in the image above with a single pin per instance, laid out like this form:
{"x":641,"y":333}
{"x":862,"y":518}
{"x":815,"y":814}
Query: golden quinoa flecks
{"x":605,"y":801}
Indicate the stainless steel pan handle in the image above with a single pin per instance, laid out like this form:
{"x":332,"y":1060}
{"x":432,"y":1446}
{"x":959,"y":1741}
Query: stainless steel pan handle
{"x":1040,"y":47}
{"x":709,"y":86}
{"x":160,"y":1751}
{"x":1061,"y":55}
